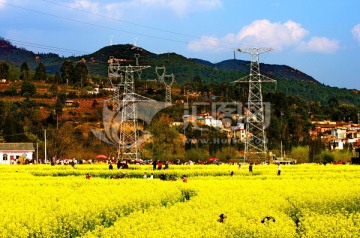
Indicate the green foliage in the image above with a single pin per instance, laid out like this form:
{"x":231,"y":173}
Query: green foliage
{"x":81,"y":73}
{"x":227,"y":153}
{"x":327,"y":157}
{"x":67,"y":72}
{"x":24,"y":71}
{"x":165,"y":143}
{"x":196,"y":154}
{"x":28,"y":87}
{"x":4,"y":70}
{"x":300,"y":154}
{"x":40,"y":73}
{"x":343,"y":155}
{"x":315,"y":148}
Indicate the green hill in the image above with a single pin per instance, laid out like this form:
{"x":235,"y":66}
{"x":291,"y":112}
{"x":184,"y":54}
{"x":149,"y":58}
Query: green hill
{"x":289,"y":80}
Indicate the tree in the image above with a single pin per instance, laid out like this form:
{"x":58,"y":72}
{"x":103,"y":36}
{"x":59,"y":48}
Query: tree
{"x":13,"y":131}
{"x":59,"y":141}
{"x":40,"y":73}
{"x":60,"y":103}
{"x":24,"y":71}
{"x":300,"y":154}
{"x":81,"y":73}
{"x":226,"y":154}
{"x":53,"y":89}
{"x":28,"y":87}
{"x":349,"y":112}
{"x":67,"y":71}
{"x":333,"y":102}
{"x":165,"y":141}
{"x":4,"y":70}
{"x":58,"y":79}
{"x":196,"y":154}
{"x":315,"y":148}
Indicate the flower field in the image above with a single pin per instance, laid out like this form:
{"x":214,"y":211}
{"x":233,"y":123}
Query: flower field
{"x":57,"y":201}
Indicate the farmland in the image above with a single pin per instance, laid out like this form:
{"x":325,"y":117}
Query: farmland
{"x":306,"y":200}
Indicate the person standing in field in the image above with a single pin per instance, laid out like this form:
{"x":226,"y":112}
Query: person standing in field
{"x":154,"y":163}
{"x":145,"y":175}
{"x":184,"y":179}
{"x":250,"y":168}
{"x":159,"y":165}
{"x":279,"y":169}
{"x":221,"y":218}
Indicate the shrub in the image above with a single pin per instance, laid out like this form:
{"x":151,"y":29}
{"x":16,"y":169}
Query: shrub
{"x":300,"y":154}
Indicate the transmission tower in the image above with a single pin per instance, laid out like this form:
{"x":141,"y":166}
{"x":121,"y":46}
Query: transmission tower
{"x":168,"y":86}
{"x":122,"y":77}
{"x":167,"y":83}
{"x":255,"y":141}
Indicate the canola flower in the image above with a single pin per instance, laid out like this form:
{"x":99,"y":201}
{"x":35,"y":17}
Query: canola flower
{"x":57,"y":201}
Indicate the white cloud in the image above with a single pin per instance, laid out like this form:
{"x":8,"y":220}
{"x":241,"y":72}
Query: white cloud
{"x":258,"y":33}
{"x":276,"y":35}
{"x":2,"y":5}
{"x":206,"y":43}
{"x":356,"y":32}
{"x":181,"y":8}
{"x":320,"y":44}
{"x":263,"y":33}
{"x":86,"y":5}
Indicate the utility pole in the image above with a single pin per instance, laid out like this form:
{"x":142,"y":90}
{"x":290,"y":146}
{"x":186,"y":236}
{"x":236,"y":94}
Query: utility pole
{"x":255,"y":141}
{"x":45,"y":146}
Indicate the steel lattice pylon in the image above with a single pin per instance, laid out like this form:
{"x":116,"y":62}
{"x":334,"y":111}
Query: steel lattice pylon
{"x":162,"y":79}
{"x":255,"y":141}
{"x":122,"y":77}
{"x":168,"y":86}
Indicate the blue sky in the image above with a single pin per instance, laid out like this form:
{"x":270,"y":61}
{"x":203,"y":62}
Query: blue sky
{"x":319,"y":37}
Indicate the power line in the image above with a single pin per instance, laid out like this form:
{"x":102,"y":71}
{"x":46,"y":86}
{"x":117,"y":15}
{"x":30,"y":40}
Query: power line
{"x":24,"y":133}
{"x":40,"y":46}
{"x":119,"y":30}
{"x":90,"y":24}
{"x":135,"y":24}
{"x":117,"y":19}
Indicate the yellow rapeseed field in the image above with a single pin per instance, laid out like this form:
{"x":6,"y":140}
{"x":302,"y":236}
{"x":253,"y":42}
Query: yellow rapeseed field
{"x":58,"y":201}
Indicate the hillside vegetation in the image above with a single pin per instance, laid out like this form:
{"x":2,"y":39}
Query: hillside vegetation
{"x":48,"y":92}
{"x":290,"y":81}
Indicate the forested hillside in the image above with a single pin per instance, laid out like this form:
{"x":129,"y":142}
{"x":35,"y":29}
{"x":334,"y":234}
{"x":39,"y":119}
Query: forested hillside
{"x":290,"y":81}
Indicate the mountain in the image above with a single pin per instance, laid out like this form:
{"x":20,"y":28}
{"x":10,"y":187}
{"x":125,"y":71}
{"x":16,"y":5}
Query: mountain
{"x":289,"y":80}
{"x":270,"y":70}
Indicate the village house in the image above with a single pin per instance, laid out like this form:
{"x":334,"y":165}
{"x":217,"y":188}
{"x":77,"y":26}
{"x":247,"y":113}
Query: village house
{"x":11,"y":152}
{"x":337,"y":135}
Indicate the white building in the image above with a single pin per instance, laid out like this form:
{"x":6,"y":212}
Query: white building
{"x":10,"y":152}
{"x":210,"y":121}
{"x":338,"y":133}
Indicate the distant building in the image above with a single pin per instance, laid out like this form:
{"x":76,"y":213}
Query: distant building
{"x":210,"y":121}
{"x":10,"y":152}
{"x":69,"y":103}
{"x":339,"y":133}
